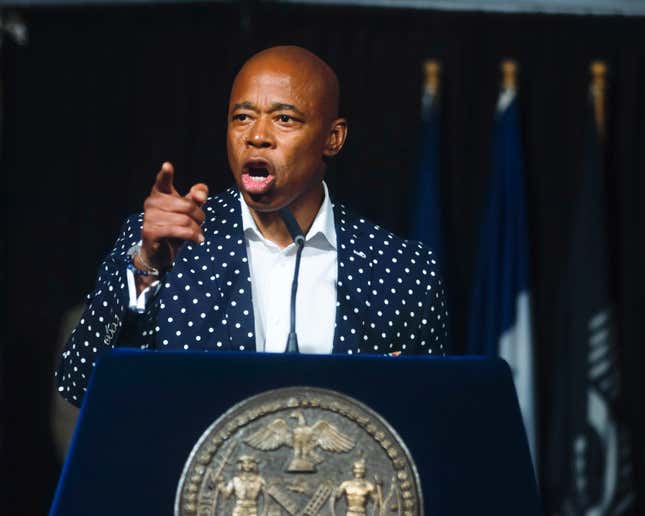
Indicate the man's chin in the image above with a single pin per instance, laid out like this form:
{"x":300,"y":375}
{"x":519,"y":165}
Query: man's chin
{"x":264,"y":202}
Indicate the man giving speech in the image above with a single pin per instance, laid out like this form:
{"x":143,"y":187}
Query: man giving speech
{"x":194,"y":272}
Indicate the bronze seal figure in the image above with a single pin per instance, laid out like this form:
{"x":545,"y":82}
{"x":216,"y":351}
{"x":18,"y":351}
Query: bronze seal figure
{"x":299,"y":451}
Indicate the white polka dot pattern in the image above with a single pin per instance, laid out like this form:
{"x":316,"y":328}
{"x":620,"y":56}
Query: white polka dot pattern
{"x":390,"y":297}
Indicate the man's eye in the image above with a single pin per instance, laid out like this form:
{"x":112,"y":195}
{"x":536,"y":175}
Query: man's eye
{"x":285,"y":118}
{"x":240,"y":117}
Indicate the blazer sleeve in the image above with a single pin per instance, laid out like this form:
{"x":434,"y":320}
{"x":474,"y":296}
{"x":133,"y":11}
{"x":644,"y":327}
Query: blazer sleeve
{"x":433,"y":325}
{"x":107,"y":321}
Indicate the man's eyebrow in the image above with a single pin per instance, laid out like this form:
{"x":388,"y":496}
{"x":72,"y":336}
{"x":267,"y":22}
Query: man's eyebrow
{"x":280,"y":106}
{"x":245,"y":105}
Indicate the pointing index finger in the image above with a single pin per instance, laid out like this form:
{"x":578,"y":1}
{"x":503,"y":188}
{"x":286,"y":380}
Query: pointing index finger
{"x":164,"y":180}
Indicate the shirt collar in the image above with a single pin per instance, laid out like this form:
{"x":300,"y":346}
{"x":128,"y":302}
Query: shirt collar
{"x":323,"y":223}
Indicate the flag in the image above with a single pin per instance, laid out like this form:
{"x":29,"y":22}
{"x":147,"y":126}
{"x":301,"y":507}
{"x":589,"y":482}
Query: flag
{"x":500,"y":312}
{"x":589,"y":468}
{"x":426,"y":218}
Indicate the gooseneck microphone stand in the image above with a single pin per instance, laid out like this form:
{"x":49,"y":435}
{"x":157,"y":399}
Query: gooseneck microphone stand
{"x":299,"y":239}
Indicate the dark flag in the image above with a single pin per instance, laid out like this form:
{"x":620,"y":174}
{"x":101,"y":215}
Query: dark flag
{"x":500,"y":311}
{"x":426,"y":219}
{"x":589,"y":463}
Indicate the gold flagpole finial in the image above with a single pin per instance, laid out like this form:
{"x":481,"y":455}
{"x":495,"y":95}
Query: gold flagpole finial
{"x":432,"y":70}
{"x":509,"y":74}
{"x":598,"y":71}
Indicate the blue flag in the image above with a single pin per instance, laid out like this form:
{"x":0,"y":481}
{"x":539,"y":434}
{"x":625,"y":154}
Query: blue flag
{"x":426,"y":220}
{"x":500,"y":313}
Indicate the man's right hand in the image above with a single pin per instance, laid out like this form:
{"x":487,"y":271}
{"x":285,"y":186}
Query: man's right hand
{"x":168,"y":221}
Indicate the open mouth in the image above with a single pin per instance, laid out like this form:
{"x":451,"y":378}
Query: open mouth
{"x":258,"y":173}
{"x":257,"y":176}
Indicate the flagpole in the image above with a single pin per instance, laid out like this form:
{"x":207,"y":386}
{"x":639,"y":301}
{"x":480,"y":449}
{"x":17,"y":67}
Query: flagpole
{"x":509,"y":74}
{"x":432,"y":70}
{"x":598,"y":88}
{"x":508,"y":88}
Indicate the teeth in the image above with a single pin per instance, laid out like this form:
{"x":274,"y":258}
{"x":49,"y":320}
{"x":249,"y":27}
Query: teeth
{"x":257,"y":179}
{"x":258,"y":171}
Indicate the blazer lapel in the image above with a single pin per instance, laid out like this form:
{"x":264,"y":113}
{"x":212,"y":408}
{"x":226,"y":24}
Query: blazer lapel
{"x":230,"y":268}
{"x":354,"y":280}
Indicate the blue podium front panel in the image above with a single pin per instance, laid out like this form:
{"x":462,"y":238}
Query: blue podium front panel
{"x":144,"y":412}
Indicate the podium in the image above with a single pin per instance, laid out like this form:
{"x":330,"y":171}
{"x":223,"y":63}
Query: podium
{"x":145,"y":411}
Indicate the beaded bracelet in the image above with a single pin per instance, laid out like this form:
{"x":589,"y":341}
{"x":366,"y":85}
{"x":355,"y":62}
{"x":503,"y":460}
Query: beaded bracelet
{"x":149,"y":270}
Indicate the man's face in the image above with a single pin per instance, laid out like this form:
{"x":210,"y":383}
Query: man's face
{"x":276,"y":136}
{"x":247,"y":465}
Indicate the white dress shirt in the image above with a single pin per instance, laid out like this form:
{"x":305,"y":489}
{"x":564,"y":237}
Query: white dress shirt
{"x":271,"y":277}
{"x":271,"y":270}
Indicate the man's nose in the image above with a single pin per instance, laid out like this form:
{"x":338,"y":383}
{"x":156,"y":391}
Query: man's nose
{"x":260,"y":135}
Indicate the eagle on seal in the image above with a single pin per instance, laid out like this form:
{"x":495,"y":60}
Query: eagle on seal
{"x":303,"y":439}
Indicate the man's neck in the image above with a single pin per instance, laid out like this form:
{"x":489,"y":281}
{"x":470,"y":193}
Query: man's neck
{"x":304,"y":209}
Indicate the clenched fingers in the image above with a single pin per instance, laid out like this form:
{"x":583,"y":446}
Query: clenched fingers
{"x":172,"y":226}
{"x":168,"y":204}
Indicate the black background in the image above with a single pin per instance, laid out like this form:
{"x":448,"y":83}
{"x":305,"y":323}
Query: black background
{"x":99,"y":97}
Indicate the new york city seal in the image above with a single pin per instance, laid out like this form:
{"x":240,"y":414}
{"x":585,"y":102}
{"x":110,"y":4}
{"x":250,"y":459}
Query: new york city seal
{"x":299,"y":451}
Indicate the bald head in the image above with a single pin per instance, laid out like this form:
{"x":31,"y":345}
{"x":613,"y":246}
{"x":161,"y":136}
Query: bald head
{"x":283,"y":124}
{"x":313,"y":76}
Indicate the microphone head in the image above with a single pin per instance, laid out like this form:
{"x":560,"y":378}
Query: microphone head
{"x":292,"y":226}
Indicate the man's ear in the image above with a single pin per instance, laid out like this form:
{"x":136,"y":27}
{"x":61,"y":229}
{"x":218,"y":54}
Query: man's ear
{"x":337,"y":137}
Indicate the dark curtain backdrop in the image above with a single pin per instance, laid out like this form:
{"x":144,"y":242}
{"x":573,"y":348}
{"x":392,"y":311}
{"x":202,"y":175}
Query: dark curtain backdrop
{"x":100,"y":97}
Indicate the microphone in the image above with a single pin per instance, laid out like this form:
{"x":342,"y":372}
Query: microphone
{"x":292,"y":226}
{"x":299,"y":239}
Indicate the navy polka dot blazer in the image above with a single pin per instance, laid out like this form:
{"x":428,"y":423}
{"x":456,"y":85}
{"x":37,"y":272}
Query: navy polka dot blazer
{"x":390,"y":298}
